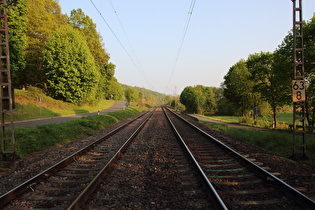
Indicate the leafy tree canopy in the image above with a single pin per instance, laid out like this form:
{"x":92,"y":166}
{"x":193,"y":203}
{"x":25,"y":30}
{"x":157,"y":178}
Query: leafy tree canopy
{"x":17,"y":40}
{"x":44,"y":17}
{"x":199,"y":99}
{"x":87,"y":28}
{"x":71,"y":73}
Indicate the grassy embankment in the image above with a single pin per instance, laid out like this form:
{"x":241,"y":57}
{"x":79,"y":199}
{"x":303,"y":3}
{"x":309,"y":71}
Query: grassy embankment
{"x":29,"y":140}
{"x":28,"y":106}
{"x":276,"y":142}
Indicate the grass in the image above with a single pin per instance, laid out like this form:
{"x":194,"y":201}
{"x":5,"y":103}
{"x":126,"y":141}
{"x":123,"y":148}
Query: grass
{"x":229,"y":119}
{"x":29,"y":140}
{"x":27,"y":105}
{"x":284,"y":119}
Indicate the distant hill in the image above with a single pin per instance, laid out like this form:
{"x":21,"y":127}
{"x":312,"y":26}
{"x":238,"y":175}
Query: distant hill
{"x":148,"y":96}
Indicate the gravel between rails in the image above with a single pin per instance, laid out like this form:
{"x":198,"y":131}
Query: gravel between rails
{"x":152,"y":174}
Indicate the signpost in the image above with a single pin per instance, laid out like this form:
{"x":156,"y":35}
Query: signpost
{"x":298,"y":91}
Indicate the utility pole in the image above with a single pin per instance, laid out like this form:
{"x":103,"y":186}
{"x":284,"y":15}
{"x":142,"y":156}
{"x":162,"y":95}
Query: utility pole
{"x":6,"y":99}
{"x":175,"y":97}
{"x":298,"y":82}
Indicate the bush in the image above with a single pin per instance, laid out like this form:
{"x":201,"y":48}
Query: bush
{"x":246,"y":120}
{"x":263,"y":123}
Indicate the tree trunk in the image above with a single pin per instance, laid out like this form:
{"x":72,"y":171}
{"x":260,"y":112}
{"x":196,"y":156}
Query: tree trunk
{"x":274,"y":122}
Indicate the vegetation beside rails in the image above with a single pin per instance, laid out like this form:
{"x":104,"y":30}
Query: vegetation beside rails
{"x":33,"y":104}
{"x":33,"y":139}
{"x":284,"y":119}
{"x":29,"y":140}
{"x":277,"y":143}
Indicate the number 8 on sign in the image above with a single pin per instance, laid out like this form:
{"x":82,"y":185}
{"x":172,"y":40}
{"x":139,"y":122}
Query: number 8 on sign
{"x":298,"y":90}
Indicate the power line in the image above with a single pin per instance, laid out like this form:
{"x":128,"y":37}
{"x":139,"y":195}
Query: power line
{"x":189,"y":15}
{"x":132,"y":49}
{"x":118,"y":39}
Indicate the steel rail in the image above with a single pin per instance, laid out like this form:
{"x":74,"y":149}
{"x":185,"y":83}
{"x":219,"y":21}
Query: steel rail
{"x":79,"y":202}
{"x":219,"y":204}
{"x":297,"y":196}
{"x":15,"y":192}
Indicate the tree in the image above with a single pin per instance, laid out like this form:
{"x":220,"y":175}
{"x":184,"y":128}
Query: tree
{"x":309,"y":61}
{"x":283,"y":63}
{"x":131,"y":94}
{"x":187,"y":98}
{"x":17,"y":22}
{"x":87,"y":28}
{"x":107,"y":74}
{"x":268,"y":80}
{"x":116,"y":91}
{"x":44,"y":17}
{"x":199,"y":99}
{"x":211,"y":99}
{"x":238,"y":88}
{"x":71,"y":74}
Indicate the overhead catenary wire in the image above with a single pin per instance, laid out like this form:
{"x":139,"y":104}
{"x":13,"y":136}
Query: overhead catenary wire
{"x":189,"y":15}
{"x":137,"y":67}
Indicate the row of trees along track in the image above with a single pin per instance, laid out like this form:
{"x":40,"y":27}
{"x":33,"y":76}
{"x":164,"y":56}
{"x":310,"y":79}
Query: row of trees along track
{"x":143,"y":164}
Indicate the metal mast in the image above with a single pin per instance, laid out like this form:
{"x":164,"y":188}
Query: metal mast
{"x":6,"y":105}
{"x":298,"y":83}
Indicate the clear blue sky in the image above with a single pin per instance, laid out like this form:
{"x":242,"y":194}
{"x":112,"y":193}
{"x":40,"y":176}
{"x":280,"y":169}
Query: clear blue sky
{"x":220,"y":33}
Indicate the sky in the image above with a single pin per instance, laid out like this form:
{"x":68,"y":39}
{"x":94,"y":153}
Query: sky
{"x":167,"y":45}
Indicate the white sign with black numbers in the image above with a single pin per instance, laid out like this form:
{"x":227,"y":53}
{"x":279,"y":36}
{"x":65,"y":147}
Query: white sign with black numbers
{"x":298,"y":90}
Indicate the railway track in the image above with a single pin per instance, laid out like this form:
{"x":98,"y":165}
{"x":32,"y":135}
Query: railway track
{"x":240,"y":182}
{"x":59,"y":185}
{"x":142,"y":165}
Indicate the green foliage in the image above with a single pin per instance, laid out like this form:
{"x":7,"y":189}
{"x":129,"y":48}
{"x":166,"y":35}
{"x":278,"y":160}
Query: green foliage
{"x":238,"y":88}
{"x":116,"y":91}
{"x":267,"y":80}
{"x":17,"y":40}
{"x":38,"y":22}
{"x":246,"y":120}
{"x":309,"y":60}
{"x":200,"y":99}
{"x":225,"y":107}
{"x":188,"y":99}
{"x":106,"y":78}
{"x":143,"y":96}
{"x":87,"y":28}
{"x":212,"y":96}
{"x":266,"y":76}
{"x":44,"y":17}
{"x":271,"y":75}
{"x":71,"y":73}
{"x":131,"y":94}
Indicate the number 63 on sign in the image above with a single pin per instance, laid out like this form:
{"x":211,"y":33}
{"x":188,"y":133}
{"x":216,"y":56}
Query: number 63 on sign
{"x":298,"y":90}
